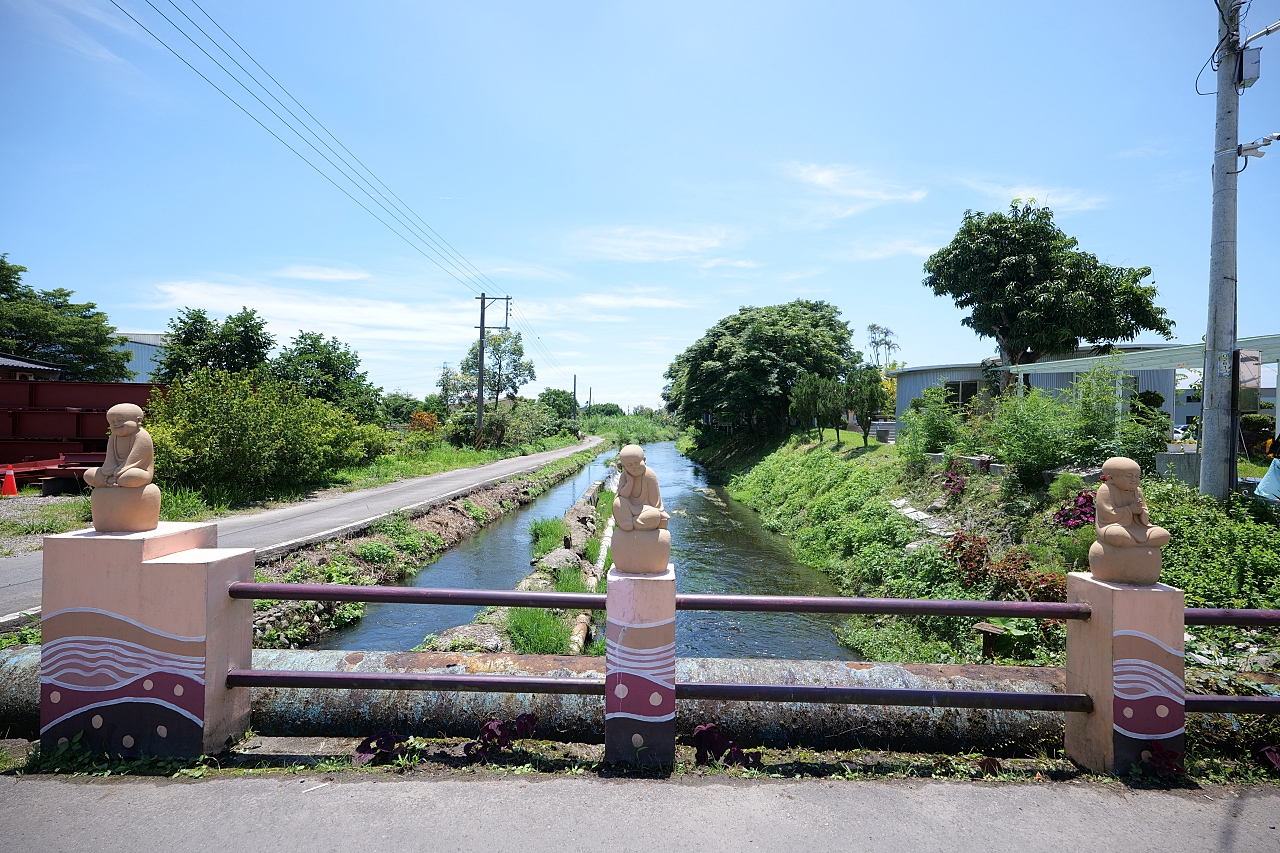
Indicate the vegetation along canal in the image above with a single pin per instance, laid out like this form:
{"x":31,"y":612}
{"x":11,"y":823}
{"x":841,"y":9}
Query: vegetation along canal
{"x":718,"y":545}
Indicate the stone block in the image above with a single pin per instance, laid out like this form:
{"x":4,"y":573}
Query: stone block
{"x":1129,"y":657}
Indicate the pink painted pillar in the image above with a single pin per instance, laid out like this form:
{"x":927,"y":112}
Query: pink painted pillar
{"x":640,"y":669}
{"x":1129,"y":657}
{"x":138,"y":636}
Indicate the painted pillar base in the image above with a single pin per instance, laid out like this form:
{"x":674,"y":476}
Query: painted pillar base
{"x":1129,"y":657}
{"x":138,"y":635}
{"x":640,"y":669}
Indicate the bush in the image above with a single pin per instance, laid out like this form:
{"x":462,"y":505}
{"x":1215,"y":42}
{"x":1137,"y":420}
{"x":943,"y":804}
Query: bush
{"x":1066,"y":486}
{"x":1032,"y":433}
{"x":240,"y":436}
{"x":930,"y":426}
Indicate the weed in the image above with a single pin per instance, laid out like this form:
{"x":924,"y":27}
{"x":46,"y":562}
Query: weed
{"x":534,"y":631}
{"x":592,"y":551}
{"x":27,"y":635}
{"x":50,"y":519}
{"x":381,"y":748}
{"x":547,"y":535}
{"x":478,"y":513}
{"x":498,"y":735}
{"x":375,"y":552}
{"x":569,"y":579}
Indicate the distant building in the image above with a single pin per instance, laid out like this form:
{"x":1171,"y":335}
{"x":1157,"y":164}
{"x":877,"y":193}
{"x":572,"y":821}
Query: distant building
{"x":13,"y":367}
{"x":963,"y":381}
{"x":144,"y":349}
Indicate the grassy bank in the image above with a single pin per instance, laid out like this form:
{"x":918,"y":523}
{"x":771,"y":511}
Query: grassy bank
{"x":408,"y":461}
{"x":629,"y":429}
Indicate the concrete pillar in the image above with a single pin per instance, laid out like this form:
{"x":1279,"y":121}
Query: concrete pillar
{"x":1129,"y":657}
{"x":640,"y":669}
{"x":138,"y":636}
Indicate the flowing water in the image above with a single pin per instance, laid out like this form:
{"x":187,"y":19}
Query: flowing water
{"x":718,"y":546}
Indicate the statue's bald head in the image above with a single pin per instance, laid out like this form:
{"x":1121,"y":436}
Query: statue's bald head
{"x":1120,"y":465}
{"x":124,"y":411}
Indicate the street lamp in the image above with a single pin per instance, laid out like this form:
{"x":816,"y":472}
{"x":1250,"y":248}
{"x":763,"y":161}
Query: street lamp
{"x":1238,"y":68}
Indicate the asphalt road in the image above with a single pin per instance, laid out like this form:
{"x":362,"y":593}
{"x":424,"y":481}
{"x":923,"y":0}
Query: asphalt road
{"x":309,"y":812}
{"x":20,"y":575}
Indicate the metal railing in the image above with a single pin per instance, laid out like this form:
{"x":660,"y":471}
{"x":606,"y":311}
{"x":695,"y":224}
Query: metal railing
{"x":817,"y":694}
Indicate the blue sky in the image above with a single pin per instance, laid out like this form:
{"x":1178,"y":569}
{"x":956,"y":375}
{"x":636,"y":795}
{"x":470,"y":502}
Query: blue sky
{"x":630,"y":173}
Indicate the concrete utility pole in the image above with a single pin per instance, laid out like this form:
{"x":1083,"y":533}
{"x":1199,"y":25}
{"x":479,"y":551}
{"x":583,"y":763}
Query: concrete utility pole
{"x":480,"y":373}
{"x":575,"y":395}
{"x":1217,"y":420}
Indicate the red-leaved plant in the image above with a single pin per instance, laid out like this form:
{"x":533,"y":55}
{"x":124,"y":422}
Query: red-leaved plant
{"x":1078,"y":513}
{"x":499,"y":735}
{"x":379,"y":748}
{"x":712,"y":745}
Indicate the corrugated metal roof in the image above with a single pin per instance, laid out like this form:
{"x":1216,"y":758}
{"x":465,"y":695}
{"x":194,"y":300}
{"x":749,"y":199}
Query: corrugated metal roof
{"x":26,"y":364}
{"x":1164,"y":358}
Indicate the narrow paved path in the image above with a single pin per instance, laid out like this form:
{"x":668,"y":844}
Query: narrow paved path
{"x":354,"y":812}
{"x":20,"y":576}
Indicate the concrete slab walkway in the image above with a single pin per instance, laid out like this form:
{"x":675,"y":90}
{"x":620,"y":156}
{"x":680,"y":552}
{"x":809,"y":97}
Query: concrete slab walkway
{"x":20,"y":575}
{"x":314,"y":812}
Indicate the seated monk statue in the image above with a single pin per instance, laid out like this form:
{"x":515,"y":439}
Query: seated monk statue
{"x":124,"y":499}
{"x":131,"y":455}
{"x":641,"y":543}
{"x":1128,"y":546}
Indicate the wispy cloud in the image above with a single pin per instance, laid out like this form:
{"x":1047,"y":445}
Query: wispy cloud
{"x":852,"y":190}
{"x":321,"y":273}
{"x":47,"y":16}
{"x":1059,"y":198}
{"x":729,"y":262}
{"x":640,"y":245}
{"x":891,"y":248}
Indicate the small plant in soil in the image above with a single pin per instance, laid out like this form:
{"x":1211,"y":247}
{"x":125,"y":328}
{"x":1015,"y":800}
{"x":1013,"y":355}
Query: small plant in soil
{"x":498,"y":736}
{"x":381,"y":748}
{"x":713,"y":745}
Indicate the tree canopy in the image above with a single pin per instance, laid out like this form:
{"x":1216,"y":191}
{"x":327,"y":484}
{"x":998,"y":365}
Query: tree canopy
{"x":742,"y":369}
{"x":196,"y":340}
{"x":46,"y":325}
{"x":506,"y":370}
{"x":865,"y":395}
{"x":329,"y":370}
{"x":1029,"y":287}
{"x":603,"y":410}
{"x":561,"y":402}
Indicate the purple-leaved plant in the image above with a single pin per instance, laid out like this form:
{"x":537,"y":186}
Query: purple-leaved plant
{"x":1078,"y":513}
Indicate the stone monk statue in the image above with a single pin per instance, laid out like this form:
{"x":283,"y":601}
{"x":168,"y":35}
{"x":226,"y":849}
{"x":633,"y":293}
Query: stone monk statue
{"x":1128,"y":546}
{"x":124,"y":499}
{"x":641,"y":543}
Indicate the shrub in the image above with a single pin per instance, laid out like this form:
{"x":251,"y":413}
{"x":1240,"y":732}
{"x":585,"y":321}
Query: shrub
{"x":929,"y":426}
{"x":1032,"y":433}
{"x":1078,"y":513}
{"x":424,"y":422}
{"x":247,"y":435}
{"x":1066,"y":486}
{"x":971,"y":553}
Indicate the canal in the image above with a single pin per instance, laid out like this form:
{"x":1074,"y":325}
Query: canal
{"x":718,"y":546}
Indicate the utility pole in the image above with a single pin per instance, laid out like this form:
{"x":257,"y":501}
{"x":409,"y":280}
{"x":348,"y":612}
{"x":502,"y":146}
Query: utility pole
{"x":1217,"y":420}
{"x":484,"y":301}
{"x":575,"y":395}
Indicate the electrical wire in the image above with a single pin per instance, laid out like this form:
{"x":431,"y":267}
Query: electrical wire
{"x":458,"y":266}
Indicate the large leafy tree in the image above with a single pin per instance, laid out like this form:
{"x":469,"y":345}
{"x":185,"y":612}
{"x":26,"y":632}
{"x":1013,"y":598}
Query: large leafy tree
{"x":46,"y":325}
{"x":329,"y":370}
{"x":743,"y":368}
{"x":560,"y":401}
{"x":506,"y":370}
{"x":1029,"y":287}
{"x":195,"y":340}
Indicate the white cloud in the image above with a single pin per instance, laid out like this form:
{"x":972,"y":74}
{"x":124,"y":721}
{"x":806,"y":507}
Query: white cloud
{"x":614,"y":300}
{"x":321,"y":273}
{"x":46,"y":16}
{"x":1059,"y":198}
{"x":729,"y":262}
{"x":647,"y":244}
{"x":863,"y":189}
{"x":892,"y":248}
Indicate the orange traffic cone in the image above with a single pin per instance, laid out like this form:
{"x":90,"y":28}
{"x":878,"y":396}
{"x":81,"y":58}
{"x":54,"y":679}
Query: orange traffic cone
{"x":10,"y":489}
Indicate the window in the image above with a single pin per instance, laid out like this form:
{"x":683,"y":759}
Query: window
{"x":962,"y":392}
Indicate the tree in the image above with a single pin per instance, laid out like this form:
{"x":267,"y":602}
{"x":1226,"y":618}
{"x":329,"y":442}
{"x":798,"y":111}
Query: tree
{"x":399,"y":407}
{"x":1029,"y":287}
{"x":453,"y":388}
{"x":806,"y":394}
{"x":329,"y":370}
{"x":603,"y":410}
{"x":880,"y":342}
{"x":865,"y":395}
{"x":195,"y":340}
{"x":46,"y":325}
{"x":742,"y":370}
{"x":506,"y":370}
{"x":561,"y":402}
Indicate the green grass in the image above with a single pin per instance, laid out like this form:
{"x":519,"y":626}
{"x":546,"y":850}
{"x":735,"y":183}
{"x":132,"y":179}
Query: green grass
{"x":629,"y":429}
{"x":178,"y":503}
{"x":548,"y":534}
{"x":534,"y":631}
{"x":592,"y":551}
{"x":49,"y":519}
{"x":569,"y":579}
{"x":408,"y":462}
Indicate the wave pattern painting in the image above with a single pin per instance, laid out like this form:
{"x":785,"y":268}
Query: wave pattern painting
{"x":127,"y":688}
{"x":1149,"y":691}
{"x":640,"y":666}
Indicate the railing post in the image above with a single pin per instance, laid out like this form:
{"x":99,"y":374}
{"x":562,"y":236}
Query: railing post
{"x":640,"y":669}
{"x":138,"y":636}
{"x":1128,"y":656}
